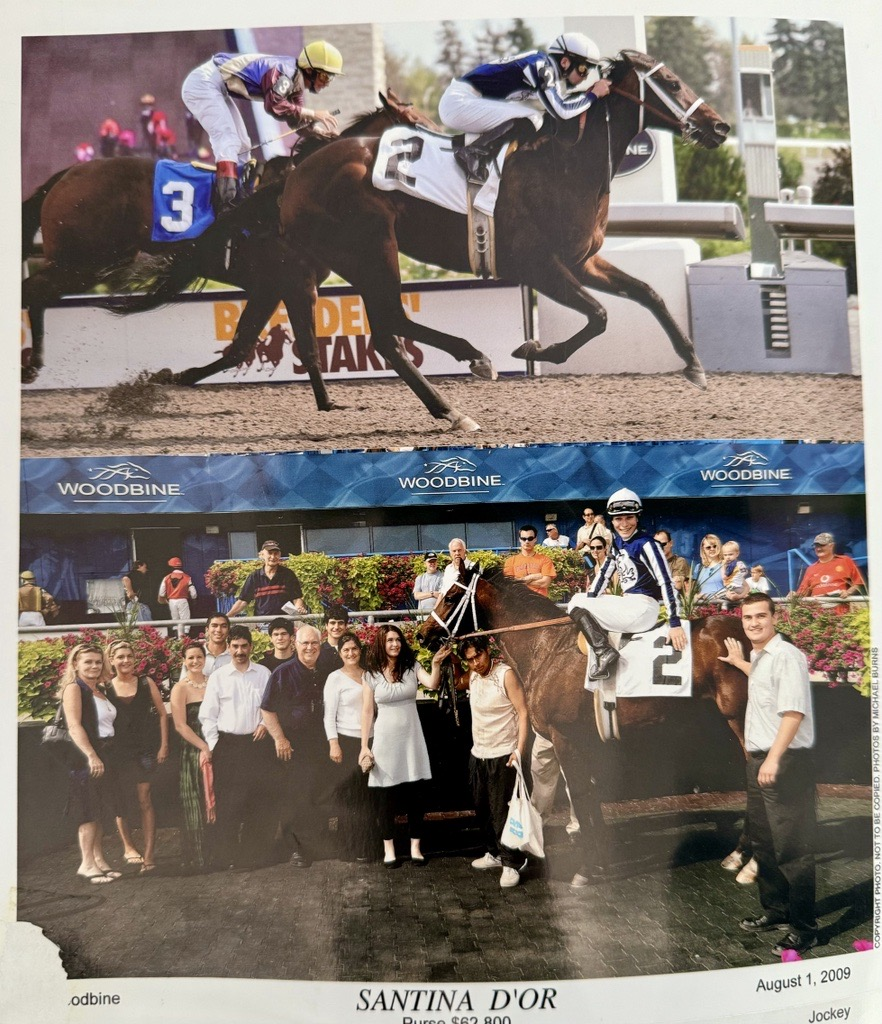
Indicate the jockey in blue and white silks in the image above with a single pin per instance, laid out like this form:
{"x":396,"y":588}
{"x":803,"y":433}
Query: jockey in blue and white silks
{"x":645,"y":579}
{"x":494,"y":98}
{"x":279,"y":82}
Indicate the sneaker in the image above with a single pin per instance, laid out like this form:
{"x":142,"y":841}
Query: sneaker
{"x":486,"y":862}
{"x":747,"y":875}
{"x":764,"y":923}
{"x":734,"y":862}
{"x":510,"y":878}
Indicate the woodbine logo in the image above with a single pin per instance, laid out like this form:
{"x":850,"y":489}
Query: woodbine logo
{"x":456,"y":475}
{"x":750,"y":468}
{"x":121,"y":481}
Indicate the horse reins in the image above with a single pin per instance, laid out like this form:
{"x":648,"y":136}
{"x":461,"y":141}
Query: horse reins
{"x":680,"y":117}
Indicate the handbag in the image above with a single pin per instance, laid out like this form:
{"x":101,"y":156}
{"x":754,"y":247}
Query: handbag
{"x":523,"y":828}
{"x":58,"y":741}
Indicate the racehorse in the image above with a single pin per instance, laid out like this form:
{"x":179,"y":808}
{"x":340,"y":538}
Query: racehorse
{"x":551,"y":216}
{"x":96,"y":219}
{"x":552,"y":670}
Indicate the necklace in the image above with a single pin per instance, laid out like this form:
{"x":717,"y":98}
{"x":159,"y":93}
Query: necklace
{"x":197,"y":686}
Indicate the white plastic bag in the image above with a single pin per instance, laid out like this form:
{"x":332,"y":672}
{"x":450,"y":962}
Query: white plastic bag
{"x":523,"y":829}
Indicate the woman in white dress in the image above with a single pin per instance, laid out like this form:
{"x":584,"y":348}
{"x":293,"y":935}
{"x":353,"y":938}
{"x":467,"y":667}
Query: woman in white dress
{"x":399,"y":762}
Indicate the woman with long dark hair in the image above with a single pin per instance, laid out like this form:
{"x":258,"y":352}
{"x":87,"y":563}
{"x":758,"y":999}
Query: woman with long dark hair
{"x":399,"y":761}
{"x":89,"y":717}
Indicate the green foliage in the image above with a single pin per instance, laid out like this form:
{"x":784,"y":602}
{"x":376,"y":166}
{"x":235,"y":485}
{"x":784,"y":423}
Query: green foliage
{"x":363,"y":574}
{"x":834,"y":186}
{"x":834,"y":644}
{"x":860,"y":626}
{"x":323,"y":579}
{"x":710,"y":175}
{"x":810,"y":73}
{"x":789,"y":170}
{"x":686,"y":47}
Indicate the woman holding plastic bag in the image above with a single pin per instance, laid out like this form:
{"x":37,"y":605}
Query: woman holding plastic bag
{"x":499,"y":737}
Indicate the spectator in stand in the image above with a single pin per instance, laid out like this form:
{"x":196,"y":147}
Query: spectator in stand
{"x":89,"y":717}
{"x":598,"y":550}
{"x":459,"y":557}
{"x":532,"y":568}
{"x":399,"y":760}
{"x":735,"y":573}
{"x":186,"y":699}
{"x":108,"y":137}
{"x":680,"y":571}
{"x":217,"y":652}
{"x":270,"y":587}
{"x":281,"y":633}
{"x":136,"y":583}
{"x":177,"y":590}
{"x":428,"y":586}
{"x":344,"y":699}
{"x":241,"y":756}
{"x":34,"y":603}
{"x":165,"y":140}
{"x":126,"y":144}
{"x":292,"y":709}
{"x":831,"y":575}
{"x":601,"y":528}
{"x":554,"y":538}
{"x":141,"y":743}
{"x":759,"y":583}
{"x":336,"y":624}
{"x":709,"y":578}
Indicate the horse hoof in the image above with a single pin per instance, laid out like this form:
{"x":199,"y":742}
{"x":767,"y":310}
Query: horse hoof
{"x":164,"y":376}
{"x":29,"y":374}
{"x":458,"y":421}
{"x":483,"y":368}
{"x":696,"y":377}
{"x":529,"y":350}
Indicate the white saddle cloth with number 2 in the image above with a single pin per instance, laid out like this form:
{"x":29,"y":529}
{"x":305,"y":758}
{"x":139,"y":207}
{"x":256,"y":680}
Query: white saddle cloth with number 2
{"x":422,"y":164}
{"x":648,"y":666}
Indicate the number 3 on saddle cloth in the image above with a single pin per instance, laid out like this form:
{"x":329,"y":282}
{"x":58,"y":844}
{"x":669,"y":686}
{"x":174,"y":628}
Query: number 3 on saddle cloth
{"x":182,"y":194}
{"x":648,"y":666}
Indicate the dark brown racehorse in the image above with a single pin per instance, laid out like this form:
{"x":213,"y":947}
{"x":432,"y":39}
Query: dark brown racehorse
{"x":551,"y":217}
{"x":549,"y":664}
{"x":96,"y":220}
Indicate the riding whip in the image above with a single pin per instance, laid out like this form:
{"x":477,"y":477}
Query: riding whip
{"x":277,"y":138}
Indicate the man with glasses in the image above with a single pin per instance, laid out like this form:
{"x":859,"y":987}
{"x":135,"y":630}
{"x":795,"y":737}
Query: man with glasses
{"x":280,"y":83}
{"x":677,"y":564}
{"x":533,"y":568}
{"x":645,"y":581}
{"x":493,"y":99}
{"x":293,"y":710}
{"x":554,"y":538}
{"x":831,"y":575}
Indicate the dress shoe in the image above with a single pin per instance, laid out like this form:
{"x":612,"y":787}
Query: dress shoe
{"x":764,"y":923}
{"x":391,"y":864}
{"x":796,"y":942}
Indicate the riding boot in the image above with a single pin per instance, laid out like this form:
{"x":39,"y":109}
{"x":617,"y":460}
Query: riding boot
{"x":226,"y":187}
{"x":475,"y":157}
{"x":605,"y":655}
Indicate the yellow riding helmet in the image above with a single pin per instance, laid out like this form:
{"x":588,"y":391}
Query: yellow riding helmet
{"x":321,"y":56}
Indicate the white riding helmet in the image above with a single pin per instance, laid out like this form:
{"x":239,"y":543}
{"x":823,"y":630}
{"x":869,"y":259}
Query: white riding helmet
{"x":576,"y":44}
{"x":624,"y":503}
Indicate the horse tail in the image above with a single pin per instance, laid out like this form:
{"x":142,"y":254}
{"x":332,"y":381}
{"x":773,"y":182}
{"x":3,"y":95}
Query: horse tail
{"x":32,"y":211}
{"x":160,"y":279}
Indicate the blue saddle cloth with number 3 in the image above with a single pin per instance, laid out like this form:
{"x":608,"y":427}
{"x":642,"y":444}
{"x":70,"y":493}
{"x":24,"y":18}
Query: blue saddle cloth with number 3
{"x":181,"y":201}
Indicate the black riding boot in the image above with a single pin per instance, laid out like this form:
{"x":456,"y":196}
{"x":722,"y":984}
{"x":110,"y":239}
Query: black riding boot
{"x":226,"y":187}
{"x":474,"y":157}
{"x":605,"y":655}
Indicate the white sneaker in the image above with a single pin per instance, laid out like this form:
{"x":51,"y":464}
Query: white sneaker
{"x":486,"y":862}
{"x":747,"y":875}
{"x":510,"y":878}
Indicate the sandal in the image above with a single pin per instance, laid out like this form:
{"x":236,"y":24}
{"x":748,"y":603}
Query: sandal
{"x":99,"y":879}
{"x":110,"y":873}
{"x":133,"y":858}
{"x":147,"y":868}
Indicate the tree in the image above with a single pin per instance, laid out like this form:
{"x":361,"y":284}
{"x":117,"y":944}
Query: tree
{"x":685,"y":46}
{"x":710,"y":175}
{"x":520,"y":36}
{"x":834,"y":186}
{"x":809,"y":66}
{"x":452,"y":55}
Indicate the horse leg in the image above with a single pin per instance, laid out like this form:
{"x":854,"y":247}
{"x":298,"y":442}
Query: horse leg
{"x":257,"y":311}
{"x":459,"y":348}
{"x":593,"y":838}
{"x":600,"y":275}
{"x":300,"y":299}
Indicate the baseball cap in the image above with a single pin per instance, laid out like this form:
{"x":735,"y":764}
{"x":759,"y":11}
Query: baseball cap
{"x":270,"y":545}
{"x":824,"y":538}
{"x":175,"y":563}
{"x":28,"y":575}
{"x":431,"y":556}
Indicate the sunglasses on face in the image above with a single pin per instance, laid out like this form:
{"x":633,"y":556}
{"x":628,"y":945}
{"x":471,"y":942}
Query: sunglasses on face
{"x":528,"y":538}
{"x":596,"y":547}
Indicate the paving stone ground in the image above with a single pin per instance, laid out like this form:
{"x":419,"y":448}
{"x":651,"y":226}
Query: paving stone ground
{"x":672,"y":910}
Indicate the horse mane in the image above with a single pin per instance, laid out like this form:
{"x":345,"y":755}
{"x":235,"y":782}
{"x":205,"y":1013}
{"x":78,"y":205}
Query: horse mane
{"x":625,"y":61}
{"x":521,"y":598}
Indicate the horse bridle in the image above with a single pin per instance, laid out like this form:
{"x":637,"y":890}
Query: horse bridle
{"x":680,"y":116}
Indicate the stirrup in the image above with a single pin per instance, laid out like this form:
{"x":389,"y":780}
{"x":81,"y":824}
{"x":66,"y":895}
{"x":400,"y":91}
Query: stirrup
{"x":606,"y":716}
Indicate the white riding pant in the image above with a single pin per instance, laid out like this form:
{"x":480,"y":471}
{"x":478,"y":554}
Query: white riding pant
{"x":31,"y":619}
{"x":207,"y":99}
{"x":463,"y":109}
{"x":630,"y":613}
{"x":546,"y":772}
{"x":179,"y":608}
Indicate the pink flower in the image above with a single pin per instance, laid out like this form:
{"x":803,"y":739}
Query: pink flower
{"x":861,"y":945}
{"x":789,"y":956}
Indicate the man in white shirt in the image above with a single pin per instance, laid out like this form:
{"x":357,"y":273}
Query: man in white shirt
{"x":242,"y":757}
{"x":554,"y":538}
{"x":459,"y":558}
{"x":779,"y":735}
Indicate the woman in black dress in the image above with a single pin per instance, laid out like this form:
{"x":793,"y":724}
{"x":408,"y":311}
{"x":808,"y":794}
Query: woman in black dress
{"x":89,"y":717}
{"x":136,"y":699}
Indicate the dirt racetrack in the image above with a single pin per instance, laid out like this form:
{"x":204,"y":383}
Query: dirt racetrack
{"x":149,"y":419}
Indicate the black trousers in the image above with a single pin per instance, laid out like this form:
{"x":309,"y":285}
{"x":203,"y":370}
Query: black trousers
{"x":492,"y":785}
{"x":243,"y":792}
{"x":782,"y":829}
{"x":307,"y":784}
{"x":409,"y":797}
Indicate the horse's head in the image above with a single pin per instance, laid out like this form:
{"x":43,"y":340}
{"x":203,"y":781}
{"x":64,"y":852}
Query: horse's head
{"x":455,"y":613}
{"x":664,"y":100}
{"x":400,"y":112}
